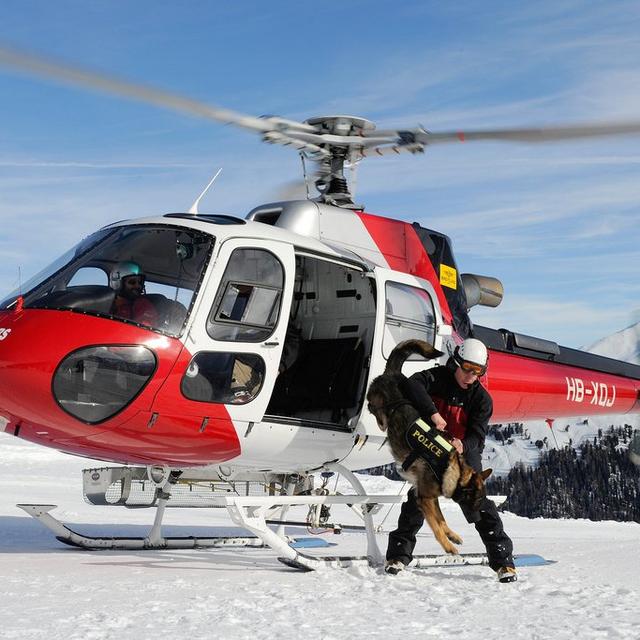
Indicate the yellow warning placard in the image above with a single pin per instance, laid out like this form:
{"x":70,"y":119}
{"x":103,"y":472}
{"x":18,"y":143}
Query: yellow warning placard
{"x":448,"y":277}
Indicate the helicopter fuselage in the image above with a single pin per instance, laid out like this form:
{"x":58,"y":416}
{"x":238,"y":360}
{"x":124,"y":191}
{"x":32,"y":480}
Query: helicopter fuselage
{"x":265,"y":336}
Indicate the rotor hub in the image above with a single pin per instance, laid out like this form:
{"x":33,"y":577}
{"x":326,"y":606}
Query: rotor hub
{"x":341,"y":125}
{"x":331,"y":182}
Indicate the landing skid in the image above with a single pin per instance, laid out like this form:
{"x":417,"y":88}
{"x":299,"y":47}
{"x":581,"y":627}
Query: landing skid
{"x":308,"y":563}
{"x":248,"y":512}
{"x":304,"y":562}
{"x":68,"y":536}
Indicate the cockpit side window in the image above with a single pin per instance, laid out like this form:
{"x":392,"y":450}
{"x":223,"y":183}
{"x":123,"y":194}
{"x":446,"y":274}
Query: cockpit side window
{"x":247,"y":304}
{"x":52,"y":270}
{"x":145,"y":274}
{"x":89,"y":275}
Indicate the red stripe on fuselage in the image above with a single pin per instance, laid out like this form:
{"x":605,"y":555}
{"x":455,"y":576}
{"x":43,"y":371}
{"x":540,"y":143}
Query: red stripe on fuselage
{"x":401,"y":247}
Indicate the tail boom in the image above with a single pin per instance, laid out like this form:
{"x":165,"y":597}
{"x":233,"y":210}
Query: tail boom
{"x":525,"y":388}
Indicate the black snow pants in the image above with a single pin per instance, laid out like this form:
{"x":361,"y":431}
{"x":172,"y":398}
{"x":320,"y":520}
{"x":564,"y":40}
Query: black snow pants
{"x":499,"y":547}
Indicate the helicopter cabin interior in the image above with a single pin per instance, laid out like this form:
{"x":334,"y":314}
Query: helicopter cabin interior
{"x":327,"y":353}
{"x":325,"y":357}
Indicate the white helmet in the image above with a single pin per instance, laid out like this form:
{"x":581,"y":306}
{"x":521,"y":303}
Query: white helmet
{"x":472,"y":351}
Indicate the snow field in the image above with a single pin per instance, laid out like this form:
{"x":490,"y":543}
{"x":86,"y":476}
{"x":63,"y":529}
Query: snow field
{"x":50,"y":591}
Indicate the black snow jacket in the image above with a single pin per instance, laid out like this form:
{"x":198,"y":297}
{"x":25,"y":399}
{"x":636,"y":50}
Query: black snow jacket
{"x":466,"y":411}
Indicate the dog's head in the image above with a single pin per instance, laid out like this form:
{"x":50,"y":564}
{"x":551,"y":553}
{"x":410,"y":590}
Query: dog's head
{"x":471,"y":489}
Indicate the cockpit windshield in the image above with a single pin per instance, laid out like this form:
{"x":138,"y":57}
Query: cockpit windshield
{"x":144,"y":274}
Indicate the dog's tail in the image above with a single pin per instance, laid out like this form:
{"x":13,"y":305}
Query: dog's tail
{"x":407,"y":348}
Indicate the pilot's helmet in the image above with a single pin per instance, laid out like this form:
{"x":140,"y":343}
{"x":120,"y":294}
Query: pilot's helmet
{"x":123,"y":270}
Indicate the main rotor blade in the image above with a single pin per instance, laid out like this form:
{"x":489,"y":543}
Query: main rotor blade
{"x":304,"y":136}
{"x":535,"y":135}
{"x":92,"y":80}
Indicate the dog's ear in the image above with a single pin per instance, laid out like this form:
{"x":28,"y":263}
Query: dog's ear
{"x":486,"y":473}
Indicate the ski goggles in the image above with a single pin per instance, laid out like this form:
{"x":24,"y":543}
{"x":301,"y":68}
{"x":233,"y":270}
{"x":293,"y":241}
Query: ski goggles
{"x":472,"y":367}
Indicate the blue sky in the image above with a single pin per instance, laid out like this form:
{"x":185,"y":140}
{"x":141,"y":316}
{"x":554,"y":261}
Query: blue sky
{"x":558,"y":224}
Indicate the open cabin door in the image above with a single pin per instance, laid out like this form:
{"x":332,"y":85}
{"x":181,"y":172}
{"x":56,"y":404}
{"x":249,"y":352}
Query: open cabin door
{"x":323,"y":371}
{"x":406,"y":308}
{"x":237,"y":339}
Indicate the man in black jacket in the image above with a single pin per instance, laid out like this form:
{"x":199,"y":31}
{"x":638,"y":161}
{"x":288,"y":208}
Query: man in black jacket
{"x":452,"y":397}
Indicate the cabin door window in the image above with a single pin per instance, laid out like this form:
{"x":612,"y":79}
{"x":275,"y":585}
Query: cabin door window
{"x":409,"y":314}
{"x":247,"y":305}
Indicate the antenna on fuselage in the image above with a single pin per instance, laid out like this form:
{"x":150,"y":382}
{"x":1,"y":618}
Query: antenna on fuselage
{"x":194,"y":206}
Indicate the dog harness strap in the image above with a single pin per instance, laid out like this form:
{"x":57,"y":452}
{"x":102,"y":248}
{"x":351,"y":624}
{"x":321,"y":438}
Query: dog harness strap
{"x":410,"y":459}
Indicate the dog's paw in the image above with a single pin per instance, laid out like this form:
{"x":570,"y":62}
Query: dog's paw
{"x":454,"y":537}
{"x":449,"y":548}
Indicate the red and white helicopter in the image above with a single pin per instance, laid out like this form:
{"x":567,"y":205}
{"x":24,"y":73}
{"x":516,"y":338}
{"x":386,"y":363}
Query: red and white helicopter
{"x":266,"y":333}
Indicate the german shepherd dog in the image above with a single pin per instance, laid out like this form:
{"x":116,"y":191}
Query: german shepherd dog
{"x":395,"y":415}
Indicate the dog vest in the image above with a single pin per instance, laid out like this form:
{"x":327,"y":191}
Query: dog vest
{"x":426,"y":442}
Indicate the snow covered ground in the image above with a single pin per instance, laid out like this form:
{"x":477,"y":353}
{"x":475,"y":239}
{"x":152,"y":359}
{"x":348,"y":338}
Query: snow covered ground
{"x":51,"y":591}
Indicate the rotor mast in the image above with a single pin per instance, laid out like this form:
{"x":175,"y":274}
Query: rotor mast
{"x":331,"y":182}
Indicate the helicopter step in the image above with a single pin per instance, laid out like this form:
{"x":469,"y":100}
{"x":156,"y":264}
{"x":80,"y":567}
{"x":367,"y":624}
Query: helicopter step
{"x":250,"y":513}
{"x":304,"y":562}
{"x":334,"y":527}
{"x":132,"y":487}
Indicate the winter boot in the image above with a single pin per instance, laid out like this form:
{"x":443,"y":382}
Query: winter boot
{"x":507,"y":574}
{"x":393,"y":567}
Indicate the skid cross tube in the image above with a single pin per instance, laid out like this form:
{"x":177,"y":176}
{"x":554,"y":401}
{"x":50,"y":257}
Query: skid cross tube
{"x":373,"y":551}
{"x":249,"y":512}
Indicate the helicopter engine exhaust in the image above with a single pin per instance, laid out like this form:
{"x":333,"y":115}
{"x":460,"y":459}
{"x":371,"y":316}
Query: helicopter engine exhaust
{"x":482,"y":290}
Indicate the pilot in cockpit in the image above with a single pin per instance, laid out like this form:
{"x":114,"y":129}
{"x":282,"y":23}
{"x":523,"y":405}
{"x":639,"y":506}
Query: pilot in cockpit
{"x":127,"y":279}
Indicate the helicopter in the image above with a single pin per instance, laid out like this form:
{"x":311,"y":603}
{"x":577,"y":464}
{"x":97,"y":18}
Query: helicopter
{"x":265,"y":335}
